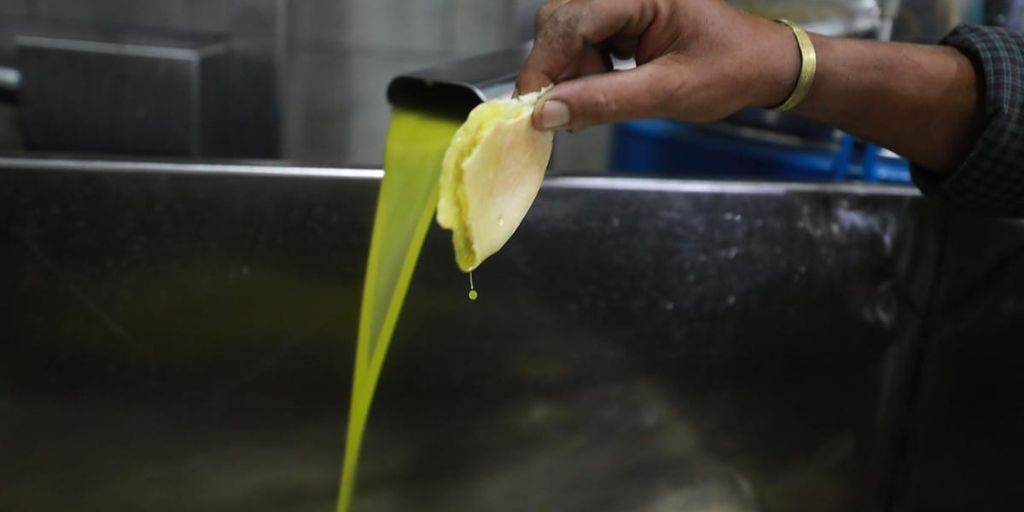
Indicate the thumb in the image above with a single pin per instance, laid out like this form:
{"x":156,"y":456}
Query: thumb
{"x":645,"y":91}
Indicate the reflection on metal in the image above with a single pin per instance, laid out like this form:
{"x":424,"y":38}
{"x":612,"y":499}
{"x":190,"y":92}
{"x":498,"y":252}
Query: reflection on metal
{"x":642,"y":345}
{"x":10,"y":80}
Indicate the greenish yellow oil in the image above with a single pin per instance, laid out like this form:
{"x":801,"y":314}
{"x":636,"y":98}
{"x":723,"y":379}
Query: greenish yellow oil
{"x":472,"y":289}
{"x":405,"y":207}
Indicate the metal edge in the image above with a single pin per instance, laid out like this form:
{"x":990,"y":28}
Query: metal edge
{"x":564,"y":182}
{"x":136,"y":49}
{"x":70,"y":164}
{"x":724,"y":187}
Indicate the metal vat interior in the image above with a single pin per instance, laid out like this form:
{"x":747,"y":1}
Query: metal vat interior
{"x":179,"y":337}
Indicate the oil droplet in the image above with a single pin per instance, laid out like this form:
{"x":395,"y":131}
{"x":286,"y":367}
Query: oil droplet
{"x":472,"y":289}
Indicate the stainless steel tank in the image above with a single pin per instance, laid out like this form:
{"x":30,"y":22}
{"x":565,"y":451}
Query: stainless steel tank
{"x":179,"y":337}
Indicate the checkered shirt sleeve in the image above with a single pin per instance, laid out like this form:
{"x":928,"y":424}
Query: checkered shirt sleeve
{"x":991,"y":179}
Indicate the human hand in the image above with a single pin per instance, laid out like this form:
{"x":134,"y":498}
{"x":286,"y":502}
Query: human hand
{"x":697,"y":60}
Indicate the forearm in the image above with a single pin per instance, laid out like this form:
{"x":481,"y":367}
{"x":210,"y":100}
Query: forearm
{"x":702,"y":60}
{"x":919,"y":101}
{"x":955,"y":110}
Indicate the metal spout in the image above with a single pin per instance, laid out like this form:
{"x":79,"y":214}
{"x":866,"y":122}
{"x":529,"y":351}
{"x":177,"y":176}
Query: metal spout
{"x":456,"y":87}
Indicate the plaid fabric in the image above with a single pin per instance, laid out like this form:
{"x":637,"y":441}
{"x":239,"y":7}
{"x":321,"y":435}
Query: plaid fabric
{"x":991,"y":179}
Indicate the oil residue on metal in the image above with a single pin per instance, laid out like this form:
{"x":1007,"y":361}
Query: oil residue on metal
{"x":405,"y":207}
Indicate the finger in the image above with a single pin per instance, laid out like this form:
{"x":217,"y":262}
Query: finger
{"x":591,"y":62}
{"x":571,"y":27}
{"x":545,"y":12}
{"x":645,"y":91}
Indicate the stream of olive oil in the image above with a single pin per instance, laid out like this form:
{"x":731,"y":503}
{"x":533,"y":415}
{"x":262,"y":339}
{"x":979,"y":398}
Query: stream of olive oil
{"x":405,"y":207}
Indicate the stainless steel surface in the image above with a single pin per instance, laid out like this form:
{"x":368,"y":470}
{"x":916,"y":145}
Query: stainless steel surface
{"x":120,"y":91}
{"x":103,"y":84}
{"x":779,"y":128}
{"x":251,"y":124}
{"x":179,"y":337}
{"x":460,"y":85}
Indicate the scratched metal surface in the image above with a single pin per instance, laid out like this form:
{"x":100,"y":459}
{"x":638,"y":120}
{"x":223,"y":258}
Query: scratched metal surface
{"x":180,"y":338}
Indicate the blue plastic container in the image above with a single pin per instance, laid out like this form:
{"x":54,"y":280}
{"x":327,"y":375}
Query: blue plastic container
{"x":668,"y":146}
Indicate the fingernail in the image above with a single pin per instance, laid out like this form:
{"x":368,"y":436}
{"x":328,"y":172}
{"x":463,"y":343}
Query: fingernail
{"x":554,"y":114}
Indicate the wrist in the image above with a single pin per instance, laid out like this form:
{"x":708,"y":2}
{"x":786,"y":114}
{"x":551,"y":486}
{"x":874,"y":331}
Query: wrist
{"x":776,"y":64}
